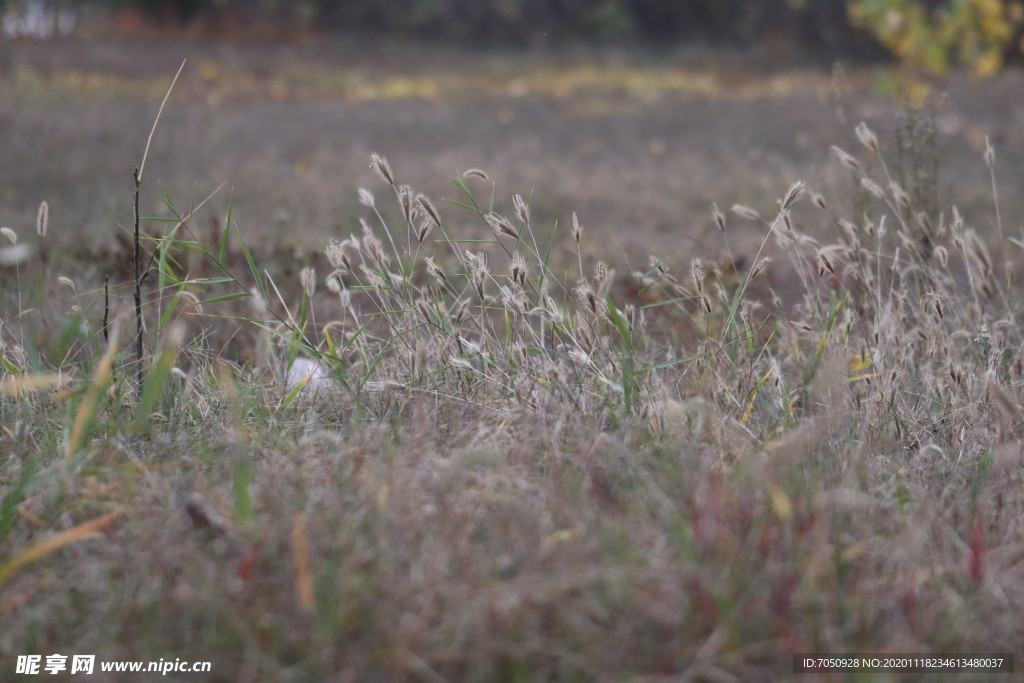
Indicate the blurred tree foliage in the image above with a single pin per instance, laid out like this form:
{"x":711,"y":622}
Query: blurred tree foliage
{"x":930,"y":34}
{"x":815,"y":23}
{"x":979,"y":34}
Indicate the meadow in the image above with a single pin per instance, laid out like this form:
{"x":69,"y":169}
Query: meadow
{"x":467,"y":440}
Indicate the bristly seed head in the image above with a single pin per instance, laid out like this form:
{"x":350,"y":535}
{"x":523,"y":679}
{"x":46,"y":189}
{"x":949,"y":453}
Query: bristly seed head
{"x":818,"y":200}
{"x":428,"y":208}
{"x":374,"y":250}
{"x":405,"y":201}
{"x":475,"y":172}
{"x":461,"y":311}
{"x":826,"y":263}
{"x":307,"y":276}
{"x":513,"y":298}
{"x":585,"y":295}
{"x":522,"y":209}
{"x":577,"y":231}
{"x":9,"y":234}
{"x":366,"y":198}
{"x":697,"y":273}
{"x":518,"y":268}
{"x":990,"y":153}
{"x":980,"y":252}
{"x":381,"y":165}
{"x":600,"y":273}
{"x":846,"y":159}
{"x":759,"y":268}
{"x":426,"y":225}
{"x":66,"y":281}
{"x":900,"y":195}
{"x":42,"y":219}
{"x":744,"y":211}
{"x":867,"y":137}
{"x":501,"y":226}
{"x":550,"y":307}
{"x":794,"y":194}
{"x":872,"y":187}
{"x":718,"y":217}
{"x":336,"y":255}
{"x":434,"y":269}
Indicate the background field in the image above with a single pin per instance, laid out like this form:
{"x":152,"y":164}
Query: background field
{"x":638,"y":145}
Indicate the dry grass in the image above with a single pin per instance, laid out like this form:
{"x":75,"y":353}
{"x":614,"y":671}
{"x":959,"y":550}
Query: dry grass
{"x":473,"y":468}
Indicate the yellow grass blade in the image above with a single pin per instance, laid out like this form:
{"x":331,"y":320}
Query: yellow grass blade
{"x":57,"y":542}
{"x":90,"y":404}
{"x":303,"y":578}
{"x":20,"y":384}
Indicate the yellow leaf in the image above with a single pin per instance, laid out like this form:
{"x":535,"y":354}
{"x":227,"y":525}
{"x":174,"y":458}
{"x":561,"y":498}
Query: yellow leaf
{"x":780,"y":502}
{"x":559,"y":537}
{"x":860,"y":362}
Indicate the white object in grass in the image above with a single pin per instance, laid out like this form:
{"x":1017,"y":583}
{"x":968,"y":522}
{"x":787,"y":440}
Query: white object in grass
{"x":303,"y":367}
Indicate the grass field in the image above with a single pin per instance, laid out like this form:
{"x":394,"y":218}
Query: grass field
{"x":471,"y":439}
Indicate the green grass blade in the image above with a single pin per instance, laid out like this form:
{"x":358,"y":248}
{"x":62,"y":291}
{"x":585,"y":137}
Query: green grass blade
{"x":222,"y":254}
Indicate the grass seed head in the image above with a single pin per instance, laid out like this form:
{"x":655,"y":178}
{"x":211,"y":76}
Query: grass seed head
{"x":405,"y":202}
{"x":867,"y":137}
{"x":381,"y":165}
{"x":697,"y":273}
{"x":577,"y":231}
{"x":336,"y":255}
{"x":900,"y":195}
{"x":744,"y":211}
{"x":794,"y":194}
{"x":307,"y":276}
{"x":760,"y":267}
{"x":475,"y":173}
{"x":718,"y":217}
{"x":872,"y":188}
{"x":9,"y":234}
{"x":366,"y":198}
{"x":501,"y":225}
{"x":522,"y":209}
{"x":990,"y":153}
{"x":979,"y":252}
{"x":826,"y":263}
{"x":434,"y":269}
{"x":586,"y":297}
{"x":518,"y":268}
{"x":513,"y":298}
{"x":374,"y":250}
{"x":426,"y":225}
{"x":428,"y":208}
{"x":845,"y":158}
{"x":42,"y":219}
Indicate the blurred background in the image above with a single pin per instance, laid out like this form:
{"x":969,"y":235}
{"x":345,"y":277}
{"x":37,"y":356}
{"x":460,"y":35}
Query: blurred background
{"x":636,"y":114}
